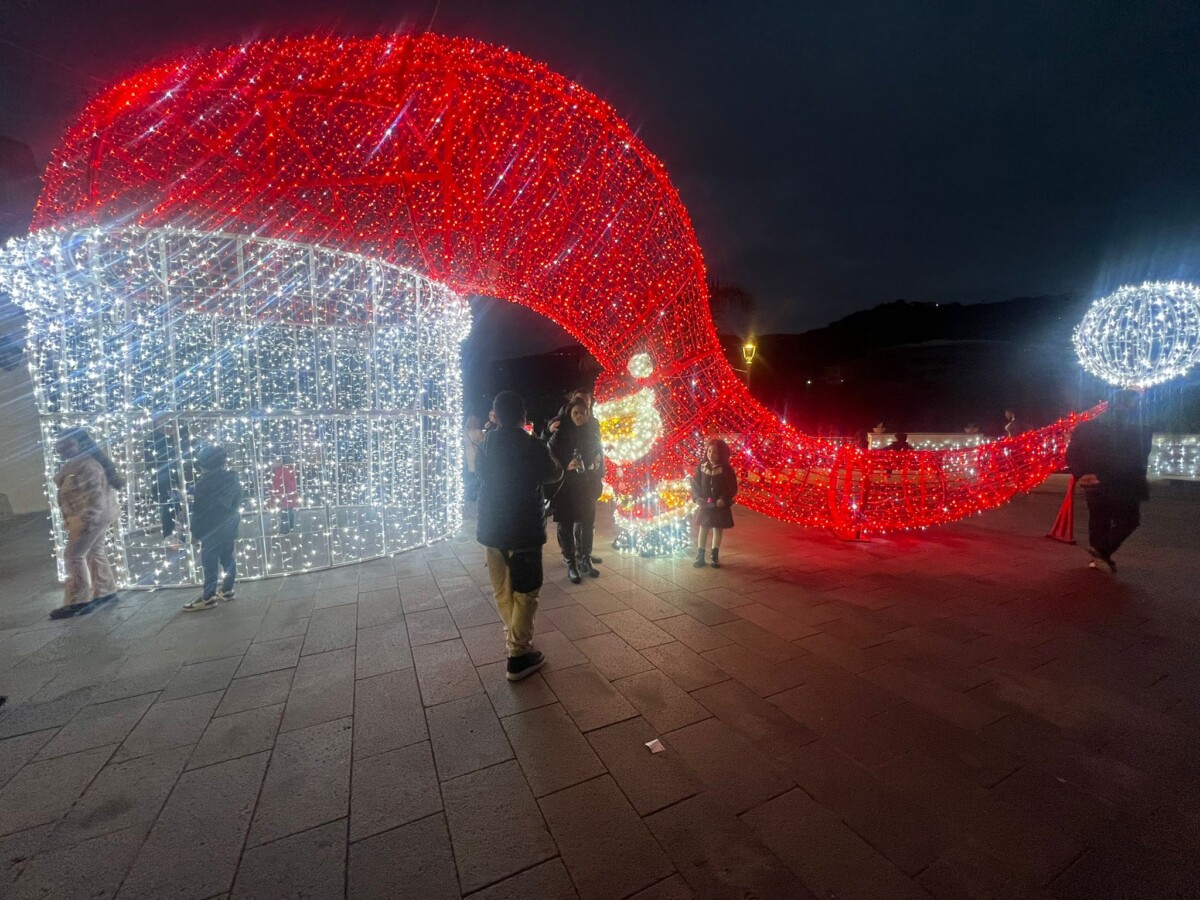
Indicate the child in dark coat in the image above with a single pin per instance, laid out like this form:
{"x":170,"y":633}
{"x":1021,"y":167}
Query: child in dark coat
{"x":216,"y":513}
{"x":713,"y":487}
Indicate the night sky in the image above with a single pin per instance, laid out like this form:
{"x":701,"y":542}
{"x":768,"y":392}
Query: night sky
{"x":831,"y":158}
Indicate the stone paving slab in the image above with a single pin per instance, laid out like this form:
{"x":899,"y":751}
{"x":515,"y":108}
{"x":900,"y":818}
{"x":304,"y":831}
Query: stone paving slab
{"x":970,"y":712}
{"x":393,"y":789}
{"x":605,"y":845}
{"x":719,"y":856}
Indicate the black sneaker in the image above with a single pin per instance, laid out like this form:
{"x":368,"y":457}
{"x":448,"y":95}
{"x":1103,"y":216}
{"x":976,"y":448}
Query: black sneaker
{"x":523,"y":666}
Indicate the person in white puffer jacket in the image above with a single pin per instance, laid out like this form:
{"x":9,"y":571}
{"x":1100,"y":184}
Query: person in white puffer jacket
{"x":87,"y":495}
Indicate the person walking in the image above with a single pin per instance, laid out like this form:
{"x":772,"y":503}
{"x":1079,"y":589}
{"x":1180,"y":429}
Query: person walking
{"x":1108,"y":456}
{"x":713,"y":487}
{"x":216,"y":514}
{"x":576,"y":446}
{"x":513,"y":467}
{"x":87,"y":486}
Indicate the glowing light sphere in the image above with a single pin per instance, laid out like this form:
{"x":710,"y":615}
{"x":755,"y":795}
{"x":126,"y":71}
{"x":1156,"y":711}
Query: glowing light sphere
{"x":488,"y":173}
{"x":344,"y":369}
{"x":1141,"y":336}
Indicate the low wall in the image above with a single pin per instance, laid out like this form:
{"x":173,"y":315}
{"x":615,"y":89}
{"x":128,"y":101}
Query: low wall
{"x":1175,"y":456}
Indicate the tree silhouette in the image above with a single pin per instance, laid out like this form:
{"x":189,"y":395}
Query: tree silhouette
{"x":731,"y":305}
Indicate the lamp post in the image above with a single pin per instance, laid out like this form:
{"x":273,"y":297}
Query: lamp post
{"x":748,"y":351}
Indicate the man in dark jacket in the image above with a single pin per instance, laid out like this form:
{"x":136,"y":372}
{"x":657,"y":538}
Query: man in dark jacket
{"x":512,"y":467}
{"x":1108,"y":455}
{"x":216,"y":513}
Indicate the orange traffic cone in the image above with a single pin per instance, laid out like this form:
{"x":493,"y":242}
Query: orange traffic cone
{"x":1064,"y":525}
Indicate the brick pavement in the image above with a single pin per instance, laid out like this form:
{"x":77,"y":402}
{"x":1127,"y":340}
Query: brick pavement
{"x":967,"y":713}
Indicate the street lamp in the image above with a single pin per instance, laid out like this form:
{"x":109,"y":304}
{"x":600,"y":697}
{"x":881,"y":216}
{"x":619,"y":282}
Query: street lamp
{"x":748,"y":349}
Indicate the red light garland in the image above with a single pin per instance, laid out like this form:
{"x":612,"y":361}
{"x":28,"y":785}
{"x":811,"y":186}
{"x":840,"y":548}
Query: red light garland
{"x":494,"y":175}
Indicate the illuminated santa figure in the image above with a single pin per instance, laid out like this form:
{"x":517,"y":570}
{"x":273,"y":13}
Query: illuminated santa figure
{"x":652,"y":518}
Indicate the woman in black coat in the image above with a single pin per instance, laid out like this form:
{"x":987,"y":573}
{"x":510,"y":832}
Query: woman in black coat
{"x":713,"y":487}
{"x":576,"y":445}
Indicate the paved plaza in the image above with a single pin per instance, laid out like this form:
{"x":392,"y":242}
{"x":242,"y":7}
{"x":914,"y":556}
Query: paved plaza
{"x":969,"y":712}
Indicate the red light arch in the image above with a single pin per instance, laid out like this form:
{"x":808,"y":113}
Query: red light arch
{"x":496,"y":176}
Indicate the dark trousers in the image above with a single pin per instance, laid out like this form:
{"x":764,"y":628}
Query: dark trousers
{"x":1110,"y":521}
{"x":575,"y":538}
{"x":216,"y":555}
{"x":287,"y":520}
{"x":167,"y":507}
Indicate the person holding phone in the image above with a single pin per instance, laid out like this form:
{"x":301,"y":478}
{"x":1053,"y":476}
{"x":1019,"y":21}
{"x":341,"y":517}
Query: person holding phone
{"x":576,"y":446}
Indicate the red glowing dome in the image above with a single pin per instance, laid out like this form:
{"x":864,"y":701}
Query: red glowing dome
{"x":494,"y":175}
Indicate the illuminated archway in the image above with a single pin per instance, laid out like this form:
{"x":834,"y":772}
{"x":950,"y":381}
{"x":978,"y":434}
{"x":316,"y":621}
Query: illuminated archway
{"x":491,"y":174}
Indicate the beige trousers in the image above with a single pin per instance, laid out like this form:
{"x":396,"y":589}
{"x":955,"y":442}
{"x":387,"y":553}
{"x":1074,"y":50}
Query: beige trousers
{"x":89,"y":574}
{"x":516,"y":609}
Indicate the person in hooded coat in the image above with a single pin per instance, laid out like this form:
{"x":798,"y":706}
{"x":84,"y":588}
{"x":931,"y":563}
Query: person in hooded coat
{"x":576,"y":446}
{"x":87,"y":496}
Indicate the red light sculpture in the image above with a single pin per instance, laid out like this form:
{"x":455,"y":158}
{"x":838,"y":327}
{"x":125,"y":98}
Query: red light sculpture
{"x":494,"y":175}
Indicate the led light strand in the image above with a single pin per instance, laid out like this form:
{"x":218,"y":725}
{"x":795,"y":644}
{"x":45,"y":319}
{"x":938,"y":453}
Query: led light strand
{"x":1141,"y":336}
{"x":343,"y":368}
{"x":491,"y":174}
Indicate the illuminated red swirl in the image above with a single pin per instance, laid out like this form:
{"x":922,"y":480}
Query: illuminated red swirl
{"x":494,"y":175}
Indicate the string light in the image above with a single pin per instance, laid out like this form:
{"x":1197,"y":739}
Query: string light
{"x":931,"y":441}
{"x":1175,"y":456}
{"x":630,"y":425}
{"x":491,"y":174}
{"x":657,"y":521}
{"x":1141,"y":336}
{"x":343,"y":368}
